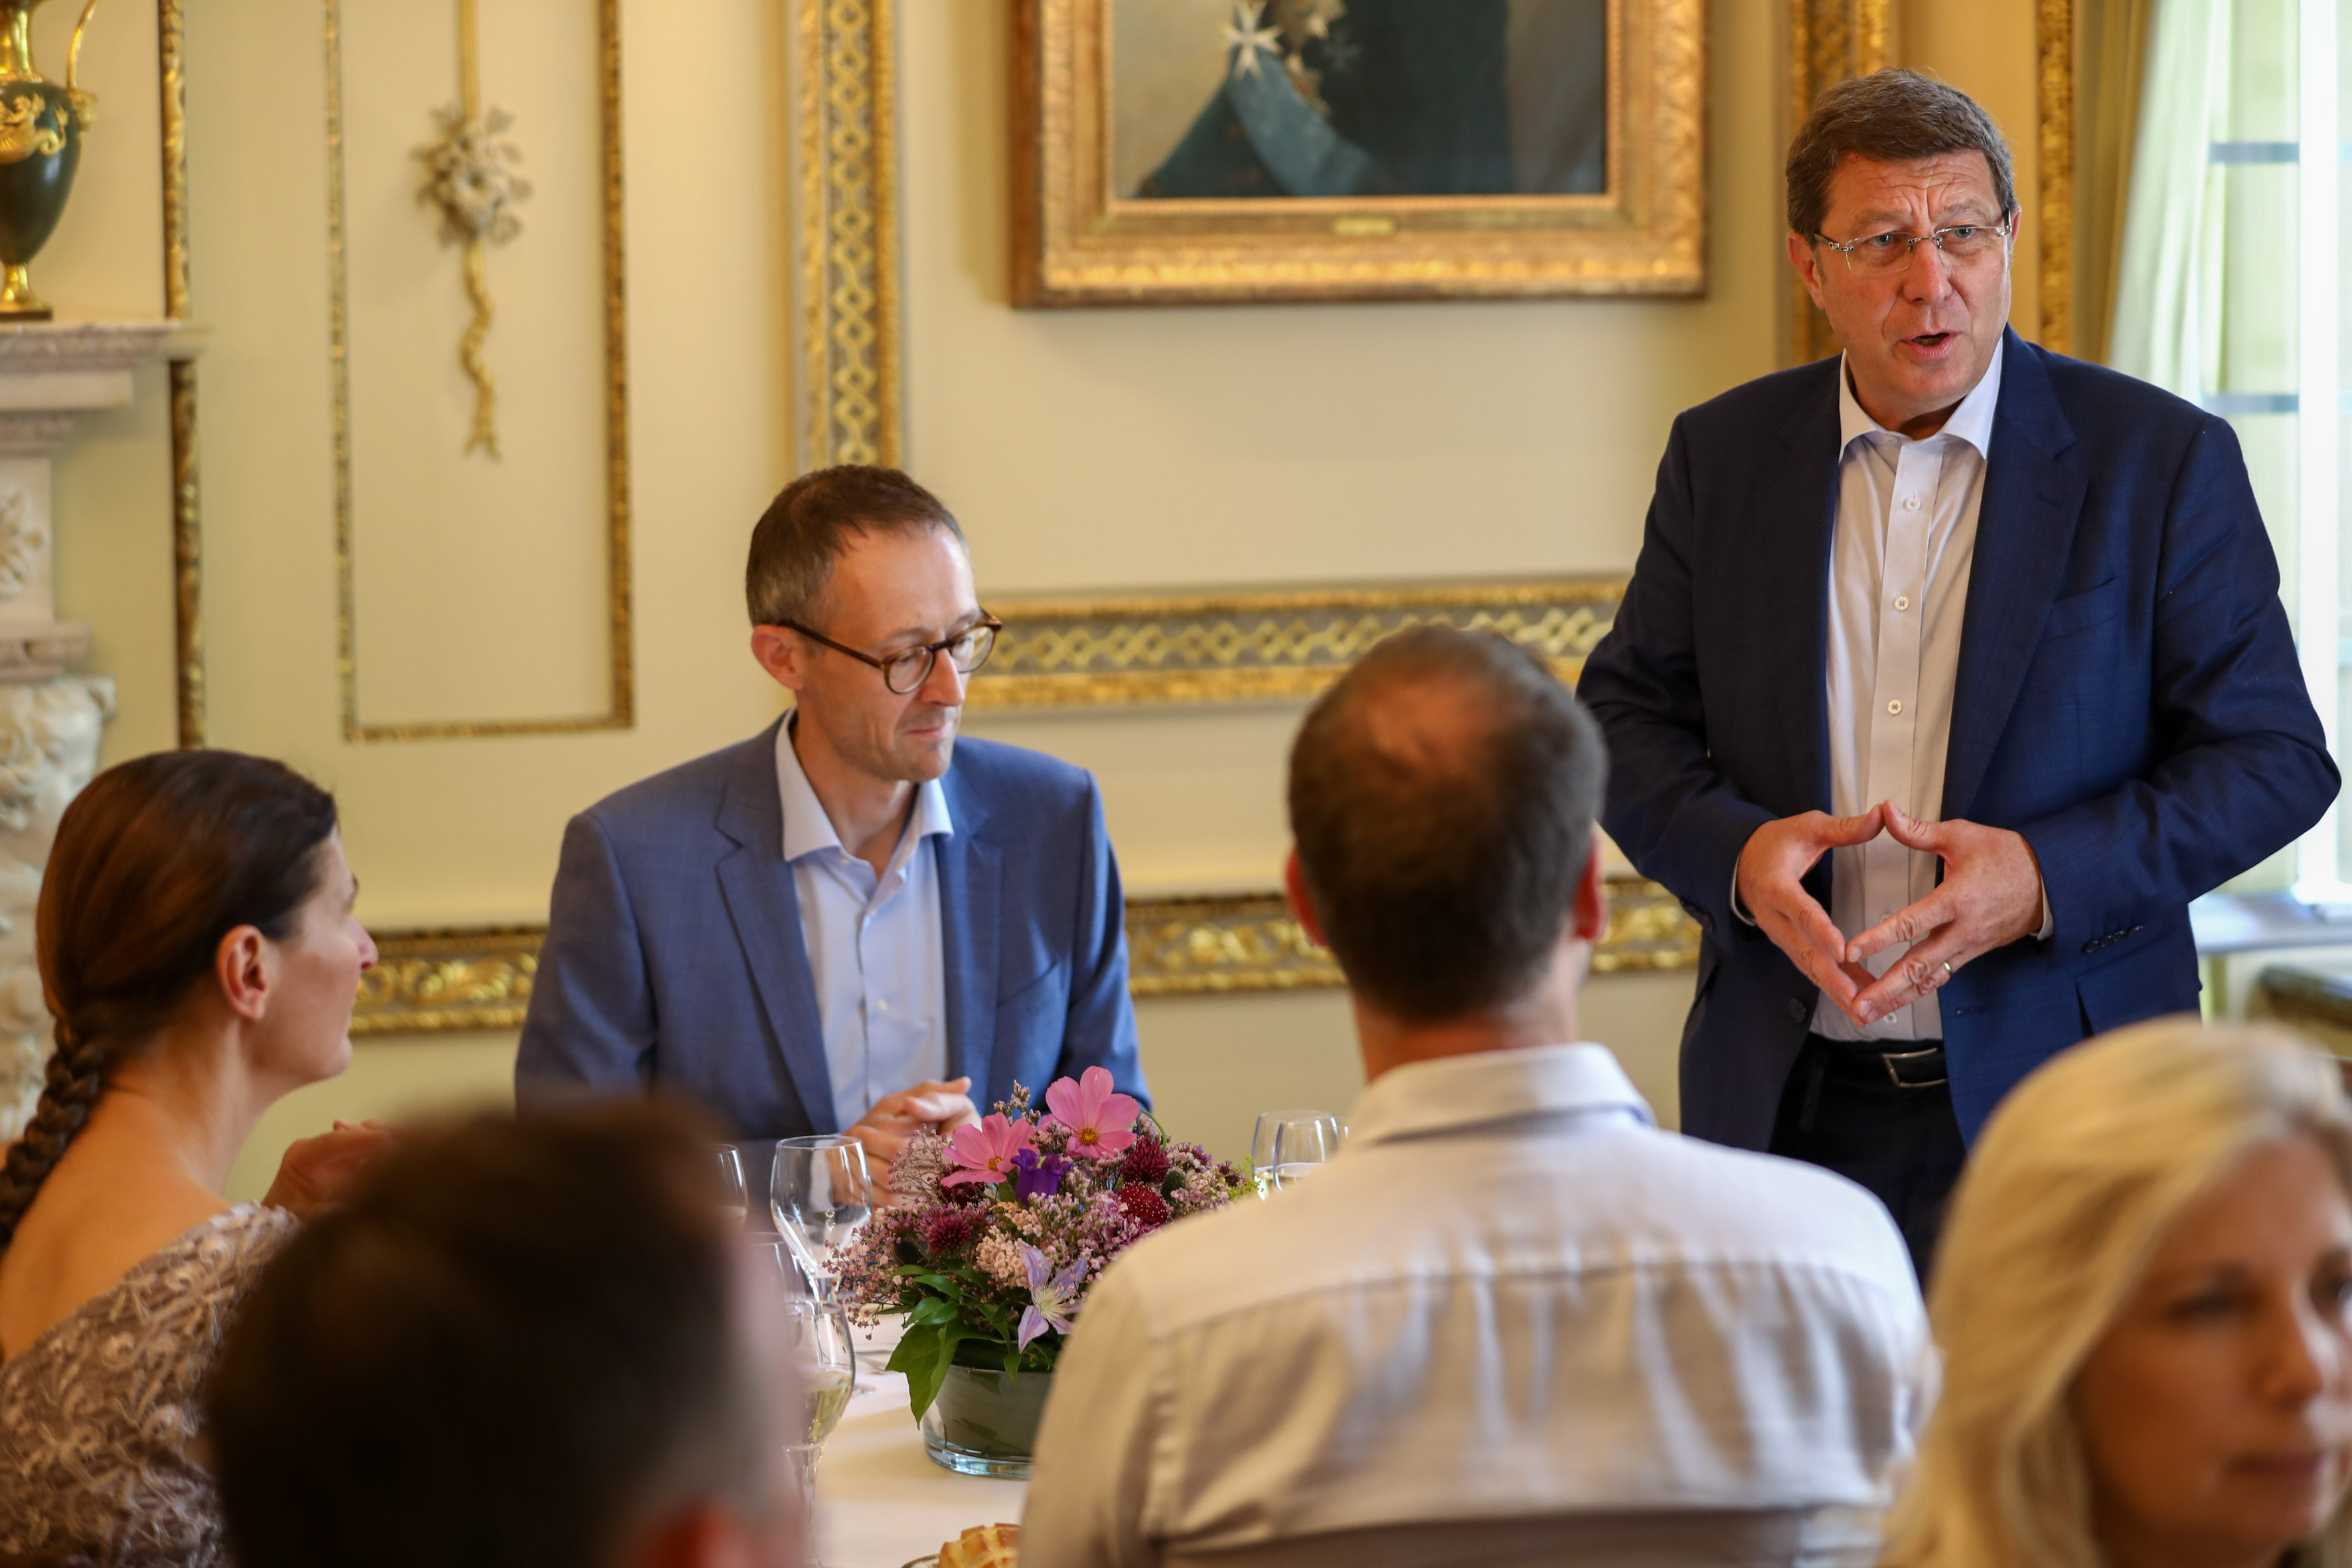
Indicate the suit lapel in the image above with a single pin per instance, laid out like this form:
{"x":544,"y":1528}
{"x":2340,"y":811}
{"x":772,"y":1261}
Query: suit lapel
{"x":2025,"y":529}
{"x":1790,"y":575}
{"x":972,"y":885}
{"x":757,"y":883}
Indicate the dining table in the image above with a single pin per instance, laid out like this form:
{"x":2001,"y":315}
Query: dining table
{"x":880,"y":1501}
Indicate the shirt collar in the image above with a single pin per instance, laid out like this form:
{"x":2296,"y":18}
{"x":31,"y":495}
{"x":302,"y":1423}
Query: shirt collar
{"x":1971,"y":422}
{"x":808,"y":829}
{"x":1450,"y":1093}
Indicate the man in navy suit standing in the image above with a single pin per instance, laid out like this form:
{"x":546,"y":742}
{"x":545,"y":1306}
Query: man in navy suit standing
{"x":850,"y":921}
{"x":1951,"y":670}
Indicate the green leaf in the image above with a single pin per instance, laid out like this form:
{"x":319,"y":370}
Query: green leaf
{"x":925,"y":1355}
{"x":934,"y":1309}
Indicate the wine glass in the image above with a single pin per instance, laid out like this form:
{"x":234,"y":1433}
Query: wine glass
{"x":1303,"y":1141}
{"x":728,"y":1162}
{"x":817,"y":1332}
{"x":820,"y":1193}
{"x":1265,"y":1154}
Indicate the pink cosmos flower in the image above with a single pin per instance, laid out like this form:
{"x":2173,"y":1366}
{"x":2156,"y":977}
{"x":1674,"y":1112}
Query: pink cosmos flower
{"x":984,"y":1152}
{"x":1101,"y":1120}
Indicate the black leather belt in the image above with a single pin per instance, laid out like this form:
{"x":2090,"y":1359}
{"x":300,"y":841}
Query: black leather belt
{"x":1921,"y":1066}
{"x":1918,"y":1064}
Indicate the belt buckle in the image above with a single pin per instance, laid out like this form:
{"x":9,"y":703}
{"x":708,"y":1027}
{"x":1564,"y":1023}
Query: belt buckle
{"x":1896,"y":1074}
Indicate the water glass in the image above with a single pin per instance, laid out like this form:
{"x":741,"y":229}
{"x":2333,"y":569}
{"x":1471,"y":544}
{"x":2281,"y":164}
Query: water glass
{"x":1290,"y":1145}
{"x":820,"y":1193}
{"x":732,"y":1198}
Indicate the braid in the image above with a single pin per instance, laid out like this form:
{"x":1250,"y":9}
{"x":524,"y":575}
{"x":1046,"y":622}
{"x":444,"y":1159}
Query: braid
{"x":77,"y":1075}
{"x":153,"y":863}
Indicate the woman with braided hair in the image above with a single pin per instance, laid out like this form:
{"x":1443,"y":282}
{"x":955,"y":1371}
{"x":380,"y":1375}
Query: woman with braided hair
{"x":199,"y":954}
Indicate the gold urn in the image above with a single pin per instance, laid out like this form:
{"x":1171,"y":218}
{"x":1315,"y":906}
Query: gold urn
{"x":41,"y":130}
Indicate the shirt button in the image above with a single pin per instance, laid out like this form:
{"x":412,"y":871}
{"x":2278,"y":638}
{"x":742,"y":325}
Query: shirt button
{"x":1910,"y":503}
{"x":882,"y":1006}
{"x":1896,"y":706}
{"x":1902,"y":601}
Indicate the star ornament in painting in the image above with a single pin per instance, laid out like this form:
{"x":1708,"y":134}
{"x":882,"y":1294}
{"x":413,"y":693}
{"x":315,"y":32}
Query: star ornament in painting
{"x":1248,"y":34}
{"x":1316,"y":17}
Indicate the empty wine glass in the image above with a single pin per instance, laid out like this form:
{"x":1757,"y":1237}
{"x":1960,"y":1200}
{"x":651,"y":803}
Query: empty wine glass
{"x":733,"y":1197}
{"x":1302,"y":1142}
{"x":1261,"y":1146}
{"x":820,"y":1193}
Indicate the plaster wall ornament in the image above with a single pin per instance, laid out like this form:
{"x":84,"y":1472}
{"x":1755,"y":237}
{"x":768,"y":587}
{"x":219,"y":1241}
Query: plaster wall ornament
{"x":51,"y":721}
{"x":50,"y":735}
{"x":21,"y":543}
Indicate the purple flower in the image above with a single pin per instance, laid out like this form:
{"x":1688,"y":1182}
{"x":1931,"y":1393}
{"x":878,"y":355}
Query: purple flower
{"x":1053,"y":1297}
{"x":945,"y":1230}
{"x":1145,"y":1206}
{"x":1146,"y":1163}
{"x":1036,"y":1175}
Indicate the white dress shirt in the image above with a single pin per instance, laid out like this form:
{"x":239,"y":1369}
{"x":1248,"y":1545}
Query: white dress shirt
{"x":874,"y":943}
{"x":1511,"y":1316}
{"x":1904,"y":542}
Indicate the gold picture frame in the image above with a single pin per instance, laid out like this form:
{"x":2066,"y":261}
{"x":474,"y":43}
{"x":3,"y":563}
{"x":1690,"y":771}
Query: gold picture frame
{"x":1077,"y":241}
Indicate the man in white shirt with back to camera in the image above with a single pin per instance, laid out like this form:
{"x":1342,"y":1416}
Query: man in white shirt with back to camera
{"x":1512,"y":1322}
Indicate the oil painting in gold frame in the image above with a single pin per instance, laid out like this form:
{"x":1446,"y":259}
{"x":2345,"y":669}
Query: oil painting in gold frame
{"x":1127,"y":190}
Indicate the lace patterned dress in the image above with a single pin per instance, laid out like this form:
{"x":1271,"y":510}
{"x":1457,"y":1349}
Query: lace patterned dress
{"x":98,"y":1416}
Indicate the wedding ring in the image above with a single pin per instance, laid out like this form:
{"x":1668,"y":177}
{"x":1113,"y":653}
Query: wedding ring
{"x":1947,"y":969}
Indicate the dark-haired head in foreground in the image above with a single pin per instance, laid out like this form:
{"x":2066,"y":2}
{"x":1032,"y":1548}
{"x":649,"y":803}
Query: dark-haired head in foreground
{"x":519,"y":1345}
{"x":1442,"y":797}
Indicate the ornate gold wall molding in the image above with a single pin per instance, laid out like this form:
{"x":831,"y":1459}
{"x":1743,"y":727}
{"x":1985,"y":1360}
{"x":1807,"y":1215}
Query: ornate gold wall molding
{"x":621,"y":712}
{"x":1829,"y":40}
{"x":845,"y":231}
{"x":441,"y":981}
{"x":187,"y":517}
{"x":446,"y":980}
{"x":1247,"y":646}
{"x":2054,"y":30}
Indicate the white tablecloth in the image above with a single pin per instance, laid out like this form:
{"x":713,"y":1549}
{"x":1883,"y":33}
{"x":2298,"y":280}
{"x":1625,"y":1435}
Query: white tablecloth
{"x":880,"y":1501}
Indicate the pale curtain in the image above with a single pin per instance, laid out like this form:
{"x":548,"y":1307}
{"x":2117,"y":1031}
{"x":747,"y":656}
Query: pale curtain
{"x":2166,"y":326}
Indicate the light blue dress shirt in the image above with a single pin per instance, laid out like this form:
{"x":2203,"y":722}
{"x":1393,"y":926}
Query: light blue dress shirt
{"x":874,"y":946}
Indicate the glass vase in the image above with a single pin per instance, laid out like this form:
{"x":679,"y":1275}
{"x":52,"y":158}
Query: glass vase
{"x":985,"y":1423}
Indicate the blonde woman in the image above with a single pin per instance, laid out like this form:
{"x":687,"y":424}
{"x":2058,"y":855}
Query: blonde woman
{"x":2144,"y":1302}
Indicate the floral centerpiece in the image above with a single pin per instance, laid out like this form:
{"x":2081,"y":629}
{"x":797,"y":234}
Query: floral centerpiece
{"x":997,"y":1229}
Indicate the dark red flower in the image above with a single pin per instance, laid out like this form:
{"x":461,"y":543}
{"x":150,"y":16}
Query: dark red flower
{"x":1147,"y":1207}
{"x":1146,"y":1164}
{"x":947,"y":1230}
{"x":971,"y":1195}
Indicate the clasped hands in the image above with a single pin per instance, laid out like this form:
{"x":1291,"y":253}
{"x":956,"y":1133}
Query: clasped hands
{"x":896,"y":1118}
{"x":1990,"y":896}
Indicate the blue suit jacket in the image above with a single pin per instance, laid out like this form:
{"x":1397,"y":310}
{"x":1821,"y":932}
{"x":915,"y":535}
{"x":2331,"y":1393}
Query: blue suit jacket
{"x":675,"y":959}
{"x":2127,"y":698}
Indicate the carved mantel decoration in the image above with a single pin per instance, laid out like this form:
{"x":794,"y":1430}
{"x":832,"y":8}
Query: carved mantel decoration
{"x":50,"y":719}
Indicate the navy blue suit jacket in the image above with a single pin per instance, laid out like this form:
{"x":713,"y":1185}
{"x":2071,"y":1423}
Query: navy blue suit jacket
{"x":675,"y":959}
{"x":2127,"y":698}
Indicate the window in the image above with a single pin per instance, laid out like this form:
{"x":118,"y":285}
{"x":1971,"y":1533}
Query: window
{"x":2230,"y":290}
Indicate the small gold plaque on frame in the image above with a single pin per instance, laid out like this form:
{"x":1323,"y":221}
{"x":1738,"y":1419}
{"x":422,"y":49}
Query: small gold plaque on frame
{"x":1231,"y":151}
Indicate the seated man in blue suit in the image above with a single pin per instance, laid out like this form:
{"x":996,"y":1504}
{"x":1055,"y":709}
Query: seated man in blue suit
{"x":1951,"y":670}
{"x":849,"y":922}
